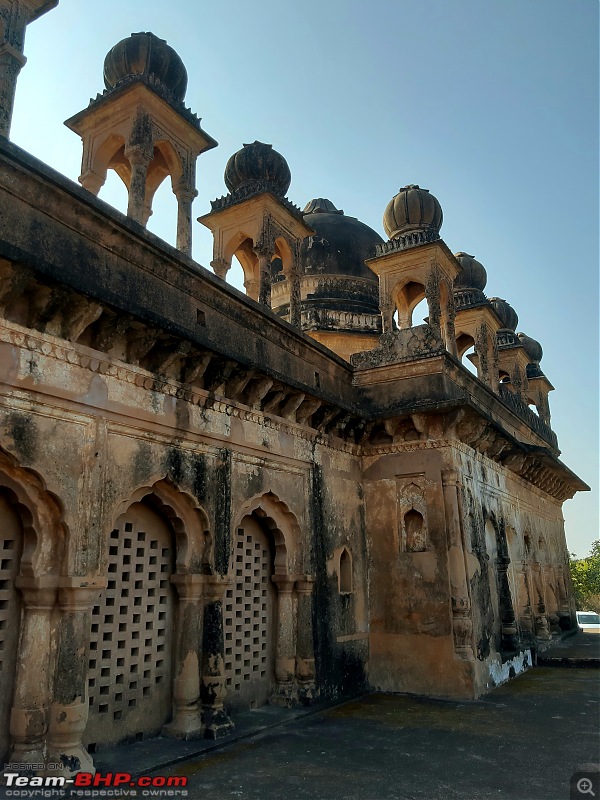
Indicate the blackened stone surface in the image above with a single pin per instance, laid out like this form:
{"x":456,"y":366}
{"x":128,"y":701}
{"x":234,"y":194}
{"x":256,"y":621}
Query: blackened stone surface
{"x":340,"y":245}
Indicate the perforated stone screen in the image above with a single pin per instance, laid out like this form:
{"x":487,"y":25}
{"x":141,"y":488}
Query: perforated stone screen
{"x":130,"y":646}
{"x":248,"y":620}
{"x":11,"y":546}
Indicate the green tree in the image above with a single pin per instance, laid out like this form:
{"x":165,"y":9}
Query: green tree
{"x":585,"y":574}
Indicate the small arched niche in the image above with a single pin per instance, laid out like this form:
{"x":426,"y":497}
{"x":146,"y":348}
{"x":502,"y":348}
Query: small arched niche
{"x":415,"y":531}
{"x":345,"y":572}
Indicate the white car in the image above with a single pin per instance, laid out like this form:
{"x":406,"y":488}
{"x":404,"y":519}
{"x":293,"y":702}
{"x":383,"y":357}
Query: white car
{"x":588,"y":621}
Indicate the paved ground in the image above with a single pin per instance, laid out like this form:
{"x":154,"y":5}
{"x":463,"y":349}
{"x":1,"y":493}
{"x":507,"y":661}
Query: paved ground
{"x":522,"y":742}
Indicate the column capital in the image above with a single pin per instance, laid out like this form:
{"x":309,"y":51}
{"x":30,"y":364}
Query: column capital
{"x":8,"y":51}
{"x":184,"y":192}
{"x":450,"y":477}
{"x":189,"y":587}
{"x":220,"y":267}
{"x":304,"y":584}
{"x":138,"y":154}
{"x":78,"y":593}
{"x":215,"y":586}
{"x":284,"y":583}
{"x":38,"y":592}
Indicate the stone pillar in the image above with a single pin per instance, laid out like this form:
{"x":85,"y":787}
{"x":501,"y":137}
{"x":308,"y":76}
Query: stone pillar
{"x":305,"y":649}
{"x":11,"y":62}
{"x":187,"y":719}
{"x":185,"y":195}
{"x":506,"y":610}
{"x":564,"y":611}
{"x":543,"y":408}
{"x":252,"y":287}
{"x":32,"y":695}
{"x":551,"y":608}
{"x":462,"y":623}
{"x":294,"y":280}
{"x":213,"y":688}
{"x":139,"y":160}
{"x":542,"y":630}
{"x":387,"y":313}
{"x":524,"y":613}
{"x":264,"y":276}
{"x":285,"y":652}
{"x":69,"y":711}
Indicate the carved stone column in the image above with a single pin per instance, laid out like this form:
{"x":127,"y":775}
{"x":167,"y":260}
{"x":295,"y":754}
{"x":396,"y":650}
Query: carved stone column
{"x":185,"y":195}
{"x":551,"y":610}
{"x":564,"y":611}
{"x":187,"y":719}
{"x":294,"y":279}
{"x":524,"y":612}
{"x":69,"y":711}
{"x":213,"y":688}
{"x":31,"y":703}
{"x":285,"y":654}
{"x":507,"y":614}
{"x":11,"y":62}
{"x":542,"y":630}
{"x":305,"y":649}
{"x":462,"y":623}
{"x":264,"y":256}
{"x":387,"y":312}
{"x":139,"y":160}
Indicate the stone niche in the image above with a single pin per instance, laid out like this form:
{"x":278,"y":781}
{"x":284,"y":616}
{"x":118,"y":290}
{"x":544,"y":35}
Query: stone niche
{"x":412,"y":514}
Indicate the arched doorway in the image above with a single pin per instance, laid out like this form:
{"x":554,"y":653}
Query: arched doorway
{"x":11,"y":548}
{"x":129,"y":678}
{"x":249,"y":617}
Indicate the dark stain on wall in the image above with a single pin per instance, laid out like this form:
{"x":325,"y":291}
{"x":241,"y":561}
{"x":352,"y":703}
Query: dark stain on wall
{"x":222,"y":533}
{"x":23,"y":430}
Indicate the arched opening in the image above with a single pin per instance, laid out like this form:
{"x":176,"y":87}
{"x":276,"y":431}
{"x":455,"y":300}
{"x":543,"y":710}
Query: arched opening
{"x":345,"y":572}
{"x":114,"y":192}
{"x":249,"y":616}
{"x":129,"y":669}
{"x":235,"y":274}
{"x":409,"y":305}
{"x":503,"y":377}
{"x":11,"y":548}
{"x":415,"y":533}
{"x":163,"y":220}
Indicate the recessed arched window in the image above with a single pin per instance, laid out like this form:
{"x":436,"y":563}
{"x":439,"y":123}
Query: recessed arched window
{"x":415,"y":534}
{"x":345,"y":573}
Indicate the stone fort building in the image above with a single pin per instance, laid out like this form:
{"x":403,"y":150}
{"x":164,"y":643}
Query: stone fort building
{"x":210,"y":501}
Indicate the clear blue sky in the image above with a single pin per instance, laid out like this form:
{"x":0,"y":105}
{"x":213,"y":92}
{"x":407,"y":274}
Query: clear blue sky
{"x":493,"y":106}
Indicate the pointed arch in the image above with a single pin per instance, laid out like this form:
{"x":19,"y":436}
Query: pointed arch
{"x":44,"y":529}
{"x":281,"y":523}
{"x":345,"y":572}
{"x":188,"y":519}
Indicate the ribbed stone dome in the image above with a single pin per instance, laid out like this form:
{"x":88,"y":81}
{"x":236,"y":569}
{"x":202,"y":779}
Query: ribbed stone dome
{"x":340,"y":244}
{"x":505,"y":313}
{"x":412,"y":209}
{"x":258,"y":163}
{"x":532,"y":347}
{"x":146,"y":56}
{"x":472,"y":274}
